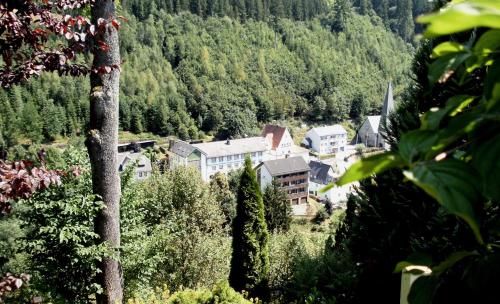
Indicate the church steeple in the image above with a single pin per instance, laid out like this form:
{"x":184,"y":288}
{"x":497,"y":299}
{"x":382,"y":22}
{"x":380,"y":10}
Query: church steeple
{"x":388,"y":103}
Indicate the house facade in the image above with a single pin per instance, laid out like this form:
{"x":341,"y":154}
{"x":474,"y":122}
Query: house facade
{"x":229,"y":155}
{"x":371,"y":131}
{"x":327,"y":140}
{"x":144,"y":168}
{"x":183,"y":154}
{"x":323,"y":174}
{"x":292,"y":174}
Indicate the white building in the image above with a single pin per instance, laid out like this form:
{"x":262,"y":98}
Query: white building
{"x":371,"y":131}
{"x":323,"y":174}
{"x":143,"y":169}
{"x":225,"y":156}
{"x":282,"y":144}
{"x":327,"y":140}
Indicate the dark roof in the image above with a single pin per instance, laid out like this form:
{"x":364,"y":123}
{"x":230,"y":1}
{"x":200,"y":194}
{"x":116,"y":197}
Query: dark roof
{"x":277,"y":132}
{"x":182,"y":148}
{"x":286,"y":165}
{"x":319,"y":172}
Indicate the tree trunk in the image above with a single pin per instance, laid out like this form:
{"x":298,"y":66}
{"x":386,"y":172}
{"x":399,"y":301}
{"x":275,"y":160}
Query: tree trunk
{"x":102,"y":142}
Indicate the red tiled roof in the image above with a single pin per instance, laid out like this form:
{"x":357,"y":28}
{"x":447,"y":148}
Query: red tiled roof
{"x":277,"y":132}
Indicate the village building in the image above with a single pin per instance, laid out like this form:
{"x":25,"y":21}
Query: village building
{"x":292,"y":174}
{"x":371,"y":131}
{"x":327,"y":140}
{"x":143,"y":167}
{"x":183,"y":154}
{"x":323,"y":174}
{"x":226,"y":156}
{"x":282,"y":144}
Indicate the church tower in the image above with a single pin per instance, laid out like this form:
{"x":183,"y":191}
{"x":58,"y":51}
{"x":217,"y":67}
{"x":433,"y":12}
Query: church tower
{"x":386,"y":110}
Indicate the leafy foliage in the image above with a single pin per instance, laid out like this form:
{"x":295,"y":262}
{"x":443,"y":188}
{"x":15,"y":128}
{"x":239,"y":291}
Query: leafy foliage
{"x":173,"y":233}
{"x":444,"y":156}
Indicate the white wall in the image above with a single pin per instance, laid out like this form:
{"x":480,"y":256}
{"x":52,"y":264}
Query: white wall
{"x":286,"y":144}
{"x":265,"y":178}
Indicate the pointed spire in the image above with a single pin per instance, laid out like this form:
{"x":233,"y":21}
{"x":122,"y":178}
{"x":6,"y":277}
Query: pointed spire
{"x":388,"y":102}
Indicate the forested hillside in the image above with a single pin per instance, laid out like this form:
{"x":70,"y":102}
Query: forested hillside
{"x":186,"y":75}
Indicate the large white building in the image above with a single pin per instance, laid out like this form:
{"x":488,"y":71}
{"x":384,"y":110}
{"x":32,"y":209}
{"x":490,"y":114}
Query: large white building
{"x":143,"y":167}
{"x":371,"y":131}
{"x":225,"y":156}
{"x":327,"y":140}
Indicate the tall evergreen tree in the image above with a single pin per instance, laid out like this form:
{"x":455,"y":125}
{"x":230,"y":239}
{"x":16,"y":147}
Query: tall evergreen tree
{"x":250,"y":258}
{"x":405,"y":25}
{"x":278,"y":208}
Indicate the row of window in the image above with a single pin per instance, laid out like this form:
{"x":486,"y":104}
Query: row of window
{"x":333,"y":136}
{"x":295,"y":182}
{"x":295,"y":191}
{"x":222,"y":159}
{"x":291,"y":175}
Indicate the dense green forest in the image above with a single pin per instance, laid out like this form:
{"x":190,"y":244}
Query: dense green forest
{"x":183,"y":74}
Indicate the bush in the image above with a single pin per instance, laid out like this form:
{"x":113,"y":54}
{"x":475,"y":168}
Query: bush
{"x":221,"y":293}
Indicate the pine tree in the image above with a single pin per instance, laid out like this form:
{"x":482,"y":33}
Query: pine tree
{"x":250,"y":258}
{"x":342,"y":9}
{"x":278,"y":208}
{"x":405,"y":25}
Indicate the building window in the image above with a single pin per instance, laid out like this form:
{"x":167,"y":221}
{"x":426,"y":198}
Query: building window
{"x":214,"y":168}
{"x":260,"y":153}
{"x":285,"y":184}
{"x":213,"y":160}
{"x":230,"y":166}
{"x":253,"y":154}
{"x":221,"y":159}
{"x":140,"y":174}
{"x":221,"y":167}
{"x":229,"y":158}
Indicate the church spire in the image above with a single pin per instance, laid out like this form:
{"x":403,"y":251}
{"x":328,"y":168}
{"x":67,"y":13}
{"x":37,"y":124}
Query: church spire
{"x":388,"y":103}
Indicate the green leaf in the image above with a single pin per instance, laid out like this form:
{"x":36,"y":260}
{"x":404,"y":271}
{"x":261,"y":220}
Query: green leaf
{"x":368,"y":166}
{"x":432,"y":119}
{"x":492,"y":83}
{"x":446,"y":48}
{"x":453,"y":184}
{"x":423,"y":289}
{"x":461,"y":16}
{"x":452,"y":260}
{"x":487,"y":43}
{"x":443,"y":67}
{"x":486,"y":159}
{"x":415,"y":143}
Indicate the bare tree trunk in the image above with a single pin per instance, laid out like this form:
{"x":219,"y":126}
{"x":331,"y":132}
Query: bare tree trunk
{"x":102,"y":141}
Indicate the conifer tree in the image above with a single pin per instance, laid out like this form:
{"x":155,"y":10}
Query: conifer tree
{"x":250,"y":258}
{"x":278,"y":208}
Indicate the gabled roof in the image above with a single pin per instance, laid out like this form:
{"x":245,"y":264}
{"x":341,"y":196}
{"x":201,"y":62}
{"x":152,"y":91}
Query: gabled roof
{"x":319,"y":172}
{"x":276,"y":131}
{"x":286,"y":165}
{"x":329,"y":130}
{"x":374,"y":122}
{"x":182,"y":148}
{"x":143,"y":163}
{"x":233,"y":146}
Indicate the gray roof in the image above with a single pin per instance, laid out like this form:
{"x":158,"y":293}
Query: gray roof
{"x":182,"y":148}
{"x":319,"y":172}
{"x":143,"y":163}
{"x":329,"y":130}
{"x":286,"y":165}
{"x":235,"y":146}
